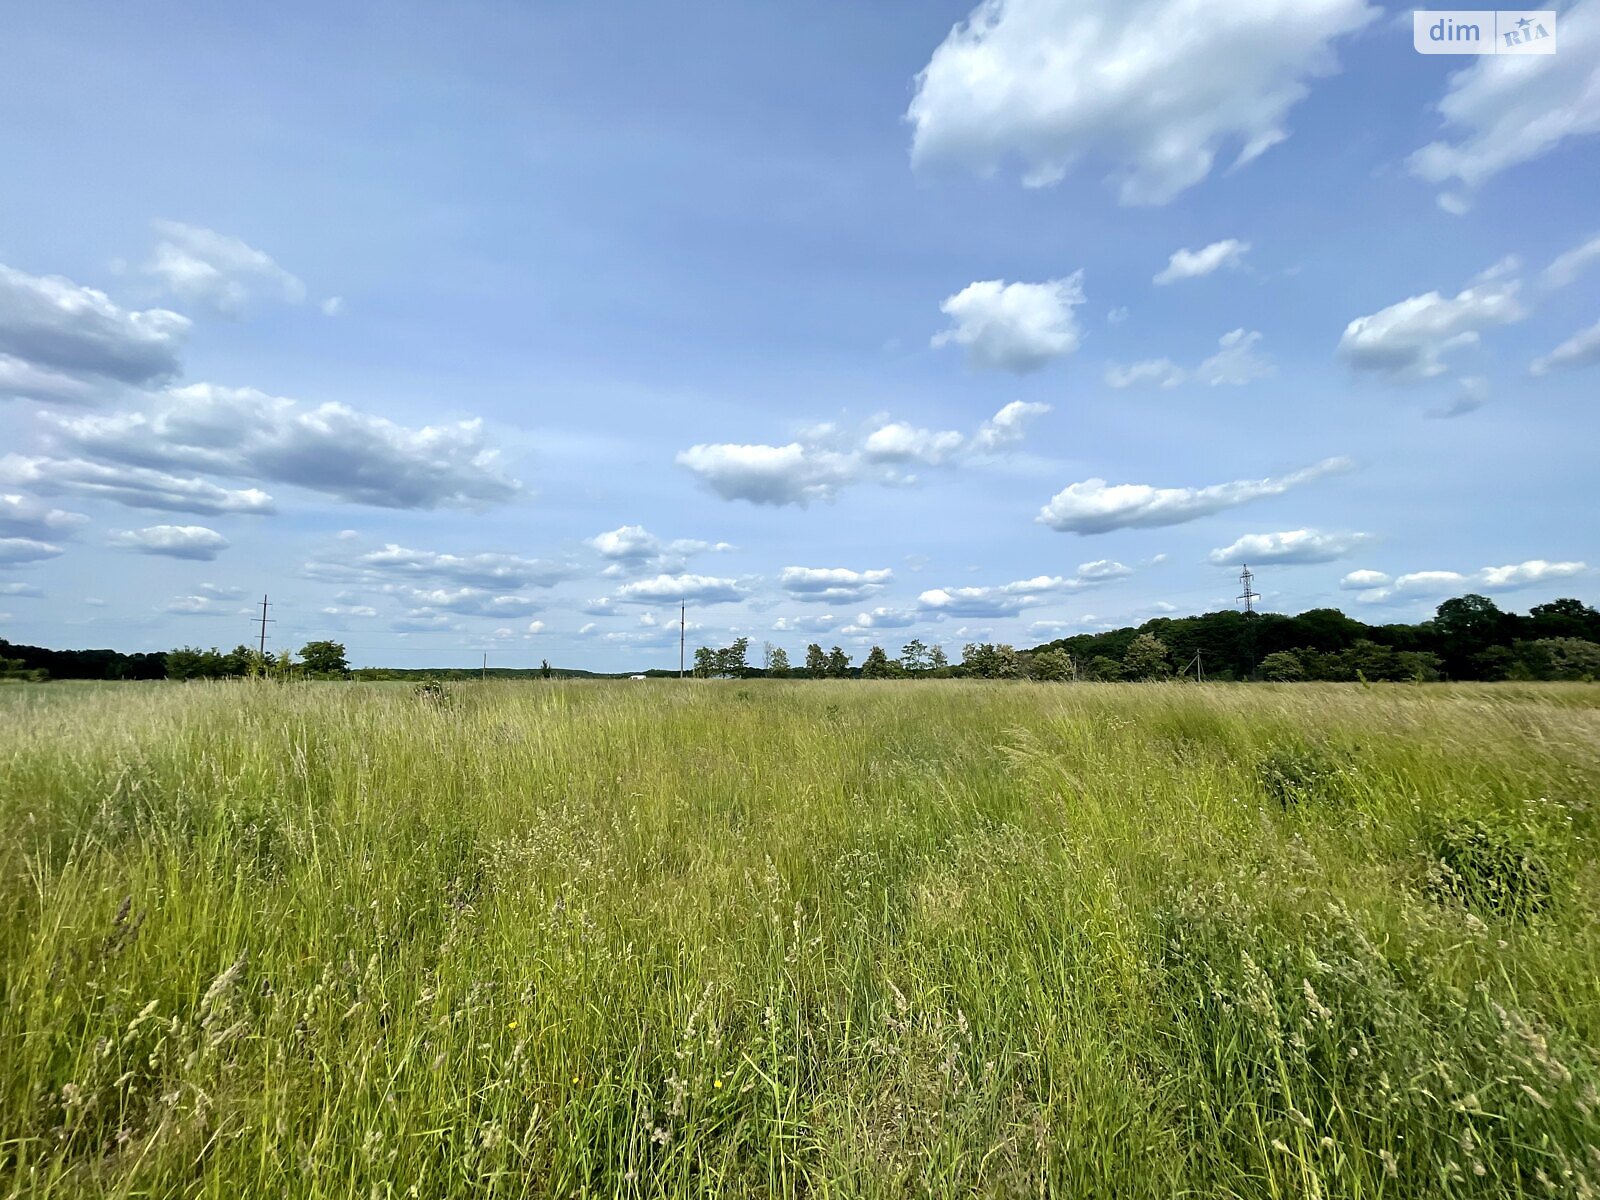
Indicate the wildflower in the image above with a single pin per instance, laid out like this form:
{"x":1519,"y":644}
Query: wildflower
{"x":718,"y":1083}
{"x":511,"y":1024}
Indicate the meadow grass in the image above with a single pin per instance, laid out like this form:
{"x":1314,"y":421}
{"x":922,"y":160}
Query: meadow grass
{"x":831,"y":940}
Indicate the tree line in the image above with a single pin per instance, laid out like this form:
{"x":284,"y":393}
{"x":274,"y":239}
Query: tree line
{"x":1468,"y":638}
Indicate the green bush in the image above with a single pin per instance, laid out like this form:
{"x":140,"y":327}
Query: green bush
{"x":1490,"y":869}
{"x":1295,"y":774}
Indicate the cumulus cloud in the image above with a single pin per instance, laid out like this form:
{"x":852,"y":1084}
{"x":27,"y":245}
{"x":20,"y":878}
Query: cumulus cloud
{"x":136,"y":487}
{"x":395,"y":563}
{"x":1235,"y":363}
{"x":24,"y":590}
{"x":1290,"y":546}
{"x":1565,"y":268}
{"x":1375,"y":586}
{"x":633,"y":547}
{"x":832,"y":585}
{"x":206,"y":267}
{"x":1094,"y":506}
{"x":200,"y":606}
{"x":15,"y":551}
{"x":73,"y":331}
{"x":1582,"y":349}
{"x":1015,"y":327}
{"x":22,"y":517}
{"x":1148,"y":88}
{"x":467,"y":601}
{"x":697,"y":589}
{"x":1361,"y":580}
{"x":245,"y":434}
{"x":881,"y":618}
{"x":1192,"y":264}
{"x":826,"y":460}
{"x":1007,"y":599}
{"x":823,"y":623}
{"x":1408,"y":340}
{"x":1508,"y":109}
{"x":1007,"y":427}
{"x":173,"y":541}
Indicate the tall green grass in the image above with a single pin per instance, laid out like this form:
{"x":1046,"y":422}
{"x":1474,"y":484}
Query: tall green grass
{"x":662,"y":939}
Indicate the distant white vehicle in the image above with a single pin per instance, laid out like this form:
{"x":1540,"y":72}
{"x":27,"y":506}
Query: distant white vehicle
{"x":635,"y":676}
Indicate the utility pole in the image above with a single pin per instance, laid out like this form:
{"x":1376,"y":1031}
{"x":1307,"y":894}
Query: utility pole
{"x":484,"y":678}
{"x":683,"y":626}
{"x":262,"y":648}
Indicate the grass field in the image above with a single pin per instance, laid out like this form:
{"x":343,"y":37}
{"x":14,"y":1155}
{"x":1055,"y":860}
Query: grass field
{"x":950,"y":939}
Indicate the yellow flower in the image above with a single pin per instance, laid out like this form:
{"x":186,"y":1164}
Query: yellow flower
{"x":511,"y":1025}
{"x":574,"y":1079}
{"x":719,"y":1083}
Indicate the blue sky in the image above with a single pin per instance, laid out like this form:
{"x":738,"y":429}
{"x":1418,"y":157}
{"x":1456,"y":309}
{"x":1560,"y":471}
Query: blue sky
{"x":499,"y":327}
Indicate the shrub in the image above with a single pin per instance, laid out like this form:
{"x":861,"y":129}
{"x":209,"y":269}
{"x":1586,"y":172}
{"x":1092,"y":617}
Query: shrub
{"x":432,"y":692}
{"x":1489,"y":868}
{"x":1295,"y":774}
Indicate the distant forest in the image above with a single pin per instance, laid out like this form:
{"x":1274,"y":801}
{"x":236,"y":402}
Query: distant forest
{"x":1468,"y":638}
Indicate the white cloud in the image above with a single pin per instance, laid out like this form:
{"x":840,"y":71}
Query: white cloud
{"x":136,"y":487}
{"x":1582,"y":349}
{"x":1375,"y":587}
{"x":1006,"y":428}
{"x":1007,"y":599}
{"x":1192,"y":264}
{"x":1093,"y":506}
{"x":1157,"y":372}
{"x":54,"y":324}
{"x":199,"y":606}
{"x":333,"y":306}
{"x":22,"y":517}
{"x":1408,"y":340}
{"x":1154,"y":88}
{"x":14,"y":551}
{"x":900,"y":442}
{"x":882,"y":618}
{"x":174,"y":541}
{"x":467,"y":601}
{"x":832,"y":585}
{"x":1362,"y":580}
{"x":350,"y":610}
{"x":1507,"y":109}
{"x":1235,"y":363}
{"x":1565,"y":268}
{"x":534,"y":627}
{"x":826,"y":460}
{"x":697,"y":589}
{"x":401,"y":563}
{"x":822,"y":623}
{"x":1014,"y":326}
{"x":26,"y":590}
{"x":206,"y":267}
{"x":778,"y":475}
{"x":1290,"y":546}
{"x":246,"y":434}
{"x":630,"y":548}
{"x":1117,"y":315}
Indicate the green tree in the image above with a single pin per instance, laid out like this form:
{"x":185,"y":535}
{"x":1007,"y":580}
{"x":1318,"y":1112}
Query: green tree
{"x":731,"y":660}
{"x":914,"y":655}
{"x":324,"y":658}
{"x":937,"y":660}
{"x":778,"y":664}
{"x":816,"y":661}
{"x":876,"y":664}
{"x":705,"y":662}
{"x":838,"y":663}
{"x":1104,"y":669}
{"x":1146,"y":657}
{"x":544,"y":669}
{"x":989,"y":660}
{"x":1053,"y":666}
{"x":1282,"y":666}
